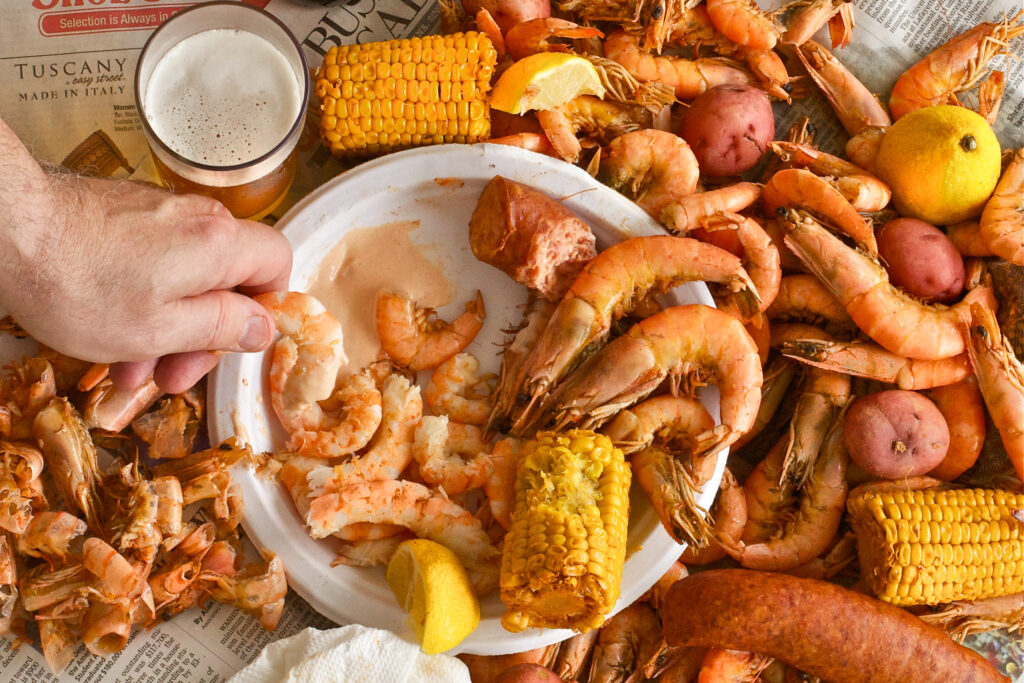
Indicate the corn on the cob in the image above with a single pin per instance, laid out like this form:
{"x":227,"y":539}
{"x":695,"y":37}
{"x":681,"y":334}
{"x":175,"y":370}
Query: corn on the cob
{"x":562,"y":561}
{"x":934,"y":546}
{"x":383,"y":97}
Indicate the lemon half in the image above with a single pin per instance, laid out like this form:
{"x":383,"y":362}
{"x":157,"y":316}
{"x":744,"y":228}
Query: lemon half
{"x":432,"y":586}
{"x":544,"y":81}
{"x":941,"y":163}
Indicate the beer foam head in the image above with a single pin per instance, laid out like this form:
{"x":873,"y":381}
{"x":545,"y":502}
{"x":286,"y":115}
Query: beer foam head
{"x":222,"y":97}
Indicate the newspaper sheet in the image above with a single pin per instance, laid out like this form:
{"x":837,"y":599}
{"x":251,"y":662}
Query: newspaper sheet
{"x":66,"y":88}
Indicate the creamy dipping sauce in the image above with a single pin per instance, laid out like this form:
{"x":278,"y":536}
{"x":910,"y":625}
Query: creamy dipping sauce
{"x":363,"y":262}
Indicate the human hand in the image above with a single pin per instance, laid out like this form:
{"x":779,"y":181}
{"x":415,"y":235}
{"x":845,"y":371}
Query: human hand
{"x":114,"y":271}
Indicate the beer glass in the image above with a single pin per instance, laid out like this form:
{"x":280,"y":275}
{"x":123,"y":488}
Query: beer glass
{"x":219,"y":111}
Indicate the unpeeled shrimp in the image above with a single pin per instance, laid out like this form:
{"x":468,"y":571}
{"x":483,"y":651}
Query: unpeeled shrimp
{"x":693,"y":211}
{"x":1000,"y":378}
{"x":732,"y":666}
{"x":437,"y":447}
{"x":602,"y":119}
{"x":534,"y":142}
{"x":652,"y":167}
{"x":414,"y":339}
{"x":1002,"y":220}
{"x":778,"y":375}
{"x":963,"y":407}
{"x":730,"y":515}
{"x":609,"y":286}
{"x":687,"y":343}
{"x":743,"y":22}
{"x":865,"y":192}
{"x":953,"y":67}
{"x":803,"y":18}
{"x":688,"y":78}
{"x":966,"y":237}
{"x":456,"y":389}
{"x":760,"y":255}
{"x":573,"y":655}
{"x":500,"y":487}
{"x":514,"y":361}
{"x":529,"y":37}
{"x":426,"y":513}
{"x":886,"y":314}
{"x":625,"y":641}
{"x":857,"y":107}
{"x":803,"y":298}
{"x":965,"y":617}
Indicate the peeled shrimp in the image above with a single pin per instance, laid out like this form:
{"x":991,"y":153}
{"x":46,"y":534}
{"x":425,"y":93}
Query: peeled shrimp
{"x":687,"y":343}
{"x":652,"y":167}
{"x":426,"y":513}
{"x":887,"y":315}
{"x":963,"y":407}
{"x":500,"y":487}
{"x":694,"y":210}
{"x":817,"y":520}
{"x":437,"y":447}
{"x":797,"y":188}
{"x":864,"y":359}
{"x":743,"y":22}
{"x":857,"y":107}
{"x":608,"y":287}
{"x":953,"y":67}
{"x":688,"y":78}
{"x":415,"y":340}
{"x":457,"y":390}
{"x":529,"y":37}
{"x":1002,"y":220}
{"x":1000,"y":378}
{"x":865,"y":192}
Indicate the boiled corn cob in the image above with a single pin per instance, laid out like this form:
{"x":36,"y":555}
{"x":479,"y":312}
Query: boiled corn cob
{"x":934,"y":546}
{"x":382,"y":97}
{"x":563,"y":554}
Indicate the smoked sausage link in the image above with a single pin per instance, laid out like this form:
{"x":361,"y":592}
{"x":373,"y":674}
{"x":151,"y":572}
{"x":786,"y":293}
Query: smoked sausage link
{"x":820,"y":628}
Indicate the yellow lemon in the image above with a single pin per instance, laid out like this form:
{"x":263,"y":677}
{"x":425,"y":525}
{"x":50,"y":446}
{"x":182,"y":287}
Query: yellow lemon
{"x":432,"y":586}
{"x":544,"y":81}
{"x":941,"y":163}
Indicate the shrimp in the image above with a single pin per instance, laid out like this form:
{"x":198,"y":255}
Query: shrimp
{"x":602,"y":119}
{"x":534,"y":142}
{"x":803,"y":298}
{"x":864,"y":192}
{"x":732,"y":666}
{"x":797,"y":188}
{"x":778,"y":375}
{"x":112,"y":409}
{"x":730,"y":515}
{"x":573,"y":654}
{"x":864,"y":359}
{"x":50,"y":536}
{"x":694,"y":210}
{"x":690,"y":344}
{"x":963,"y":407}
{"x":684,"y":666}
{"x":426,"y":513}
{"x":688,"y":78}
{"x":390,"y":451}
{"x":414,"y":339}
{"x":437,"y":446}
{"x":500,"y":487}
{"x":652,"y":167}
{"x":669,"y":419}
{"x":529,"y":37}
{"x":625,"y":641}
{"x":862,"y":148}
{"x":488,"y":667}
{"x":70,"y":456}
{"x":990,"y":96}
{"x":838,"y":557}
{"x":457,"y":390}
{"x":1002,"y":220}
{"x":743,"y":22}
{"x":887,"y":315}
{"x":966,"y":617}
{"x":953,"y":67}
{"x":760,"y":255}
{"x":513,"y":361}
{"x":1000,"y":378}
{"x":817,"y":520}
{"x":823,"y":395}
{"x":967,"y":238}
{"x":609,"y":286}
{"x":803,"y":18}
{"x":856,"y":106}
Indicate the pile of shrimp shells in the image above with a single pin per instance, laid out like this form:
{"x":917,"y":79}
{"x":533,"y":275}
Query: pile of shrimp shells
{"x":97,"y":539}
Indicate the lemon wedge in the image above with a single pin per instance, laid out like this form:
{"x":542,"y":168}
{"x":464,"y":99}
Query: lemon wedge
{"x":544,"y":81}
{"x":432,"y":586}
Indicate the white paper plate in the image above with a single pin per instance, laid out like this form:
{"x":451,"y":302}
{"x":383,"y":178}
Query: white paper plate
{"x":401,"y":187}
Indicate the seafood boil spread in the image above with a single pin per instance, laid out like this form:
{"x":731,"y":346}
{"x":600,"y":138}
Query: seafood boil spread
{"x":865,"y":343}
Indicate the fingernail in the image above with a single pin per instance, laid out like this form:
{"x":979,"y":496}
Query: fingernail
{"x":256,"y":334}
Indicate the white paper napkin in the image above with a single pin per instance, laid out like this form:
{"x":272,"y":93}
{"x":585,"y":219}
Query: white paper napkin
{"x":354,"y":654}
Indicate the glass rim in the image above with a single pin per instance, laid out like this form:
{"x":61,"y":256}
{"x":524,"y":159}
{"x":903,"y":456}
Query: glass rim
{"x":276,"y":149}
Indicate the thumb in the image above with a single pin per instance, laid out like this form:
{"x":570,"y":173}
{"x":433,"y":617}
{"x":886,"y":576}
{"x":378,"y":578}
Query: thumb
{"x":219,"y":320}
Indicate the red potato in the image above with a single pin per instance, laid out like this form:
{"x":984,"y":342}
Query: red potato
{"x":921,"y":260}
{"x":896,"y":434}
{"x":728,"y":128}
{"x":508,"y":13}
{"x":528,"y":673}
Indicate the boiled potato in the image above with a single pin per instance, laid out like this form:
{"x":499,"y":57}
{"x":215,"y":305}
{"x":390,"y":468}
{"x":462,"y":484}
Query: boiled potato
{"x":921,"y":260}
{"x":728,"y":128}
{"x":896,"y":434}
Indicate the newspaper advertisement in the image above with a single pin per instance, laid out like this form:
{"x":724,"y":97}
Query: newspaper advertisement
{"x":66,"y":89}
